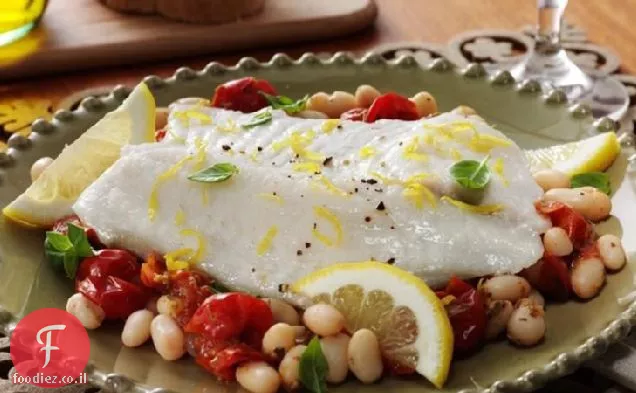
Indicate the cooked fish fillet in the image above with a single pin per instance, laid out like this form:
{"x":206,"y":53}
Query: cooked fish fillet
{"x":383,"y":192}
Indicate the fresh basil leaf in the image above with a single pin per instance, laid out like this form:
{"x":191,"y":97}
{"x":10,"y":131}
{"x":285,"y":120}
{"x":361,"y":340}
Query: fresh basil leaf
{"x":80,"y":242}
{"x":58,"y":241}
{"x":287,"y":104}
{"x":313,"y":368}
{"x":592,"y":179}
{"x":55,"y":258}
{"x":65,"y":252}
{"x":216,"y":173}
{"x":261,"y":118}
{"x":471,"y":174}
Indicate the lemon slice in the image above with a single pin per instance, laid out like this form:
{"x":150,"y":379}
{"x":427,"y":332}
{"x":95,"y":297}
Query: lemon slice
{"x":52,"y":195}
{"x":593,"y":154}
{"x":408,"y":319}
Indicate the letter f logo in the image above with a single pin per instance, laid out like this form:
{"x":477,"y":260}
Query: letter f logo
{"x":47,"y":347}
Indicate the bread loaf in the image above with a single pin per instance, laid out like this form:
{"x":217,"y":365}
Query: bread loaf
{"x":192,"y":11}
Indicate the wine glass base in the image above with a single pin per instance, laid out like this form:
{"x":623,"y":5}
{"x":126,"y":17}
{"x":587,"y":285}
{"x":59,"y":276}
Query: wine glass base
{"x":608,"y":98}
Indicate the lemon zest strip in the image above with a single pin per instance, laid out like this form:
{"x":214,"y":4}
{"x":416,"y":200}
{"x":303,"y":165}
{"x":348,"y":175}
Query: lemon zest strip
{"x":153,"y":202}
{"x":200,"y":251}
{"x":271,"y":197}
{"x":367,"y":152}
{"x":411,"y":153}
{"x":323,"y":181}
{"x":266,"y":242}
{"x":310,"y":167}
{"x":179,"y":218}
{"x":329,"y":216}
{"x":329,"y":125}
{"x":498,"y":168}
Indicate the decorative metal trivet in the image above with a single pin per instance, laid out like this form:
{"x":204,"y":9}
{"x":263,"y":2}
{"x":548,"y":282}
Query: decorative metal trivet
{"x":495,"y":49}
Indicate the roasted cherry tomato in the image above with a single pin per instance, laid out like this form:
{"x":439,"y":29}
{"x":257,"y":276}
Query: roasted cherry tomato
{"x":222,"y":358}
{"x":563,"y":216}
{"x":191,"y":289}
{"x":61,"y":226}
{"x":230,"y":316}
{"x":116,"y":263}
{"x":550,"y":276}
{"x":392,"y":106}
{"x":467,"y":314}
{"x":355,"y":114}
{"x":243,"y":95}
{"x":116,"y":296}
{"x":159,"y":135}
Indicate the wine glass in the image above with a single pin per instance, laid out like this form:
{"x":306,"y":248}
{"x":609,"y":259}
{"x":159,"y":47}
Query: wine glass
{"x":550,"y":65}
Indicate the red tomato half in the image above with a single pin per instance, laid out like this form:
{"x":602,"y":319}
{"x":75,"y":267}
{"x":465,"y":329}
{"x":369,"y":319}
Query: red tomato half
{"x":191,"y":288}
{"x":222,"y":358}
{"x":230,"y":316}
{"x":550,"y":276}
{"x":117,"y":297}
{"x":355,"y":114}
{"x":392,"y":106}
{"x":116,"y":263}
{"x":563,"y":216}
{"x":467,"y":314}
{"x":243,"y":95}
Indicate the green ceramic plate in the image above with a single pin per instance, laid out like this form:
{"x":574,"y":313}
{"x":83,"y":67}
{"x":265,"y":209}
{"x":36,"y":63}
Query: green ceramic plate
{"x":576,"y":331}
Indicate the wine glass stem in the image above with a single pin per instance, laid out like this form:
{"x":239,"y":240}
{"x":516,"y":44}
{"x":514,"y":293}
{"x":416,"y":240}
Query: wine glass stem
{"x":550,"y":17}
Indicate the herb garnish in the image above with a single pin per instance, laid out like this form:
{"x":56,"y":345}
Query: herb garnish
{"x":313,"y":368}
{"x":216,"y":173}
{"x":285,"y":103}
{"x":65,"y":252}
{"x":471,"y":174}
{"x":261,"y":118}
{"x":597,"y":180}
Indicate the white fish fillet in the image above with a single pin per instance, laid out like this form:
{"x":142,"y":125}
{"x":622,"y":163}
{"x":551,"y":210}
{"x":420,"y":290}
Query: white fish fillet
{"x":233,"y":218}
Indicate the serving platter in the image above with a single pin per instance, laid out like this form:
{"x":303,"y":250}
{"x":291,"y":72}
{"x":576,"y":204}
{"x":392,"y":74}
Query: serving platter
{"x":577,"y":331}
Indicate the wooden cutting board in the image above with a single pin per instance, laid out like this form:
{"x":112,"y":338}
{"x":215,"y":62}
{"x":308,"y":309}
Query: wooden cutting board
{"x":79,"y":34}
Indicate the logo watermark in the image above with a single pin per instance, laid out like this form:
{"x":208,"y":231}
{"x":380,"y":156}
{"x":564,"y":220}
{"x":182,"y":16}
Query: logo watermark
{"x":49,"y":348}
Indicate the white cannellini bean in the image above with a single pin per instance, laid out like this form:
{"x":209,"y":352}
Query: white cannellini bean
{"x":307,"y":114}
{"x":167,"y":337}
{"x":323,"y":319}
{"x":283,"y":312}
{"x":319,"y":102}
{"x":526,"y":326}
{"x":588,"y":277}
{"x":339,"y":103}
{"x":498,"y":312}
{"x":537,"y":298}
{"x":335,"y":349}
{"x":612,"y":252}
{"x":288,"y":368}
{"x":258,"y":377}
{"x":161,"y":118}
{"x":506,"y":287}
{"x":279,"y":339}
{"x":136,"y":330}
{"x":593,"y":204}
{"x":551,"y":178}
{"x":364,"y":357}
{"x":39,"y":166}
{"x":424,"y":103}
{"x":88,"y":313}
{"x":365,"y":95}
{"x":557,"y":242}
{"x":167,"y":306}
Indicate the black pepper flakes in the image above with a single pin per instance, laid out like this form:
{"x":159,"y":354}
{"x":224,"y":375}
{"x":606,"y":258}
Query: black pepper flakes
{"x":392,"y":227}
{"x":307,"y":245}
{"x":274,"y":193}
{"x":315,"y":225}
{"x":401,"y":143}
{"x":328,"y":162}
{"x":355,"y":189}
{"x":283,"y":287}
{"x":339,"y":126}
{"x":367,"y":219}
{"x":226,"y":147}
{"x":259,"y":148}
{"x":299,"y":252}
{"x":378,"y":190}
{"x":253,"y":270}
{"x":391,"y":261}
{"x":369,"y":181}
{"x":380,"y":206}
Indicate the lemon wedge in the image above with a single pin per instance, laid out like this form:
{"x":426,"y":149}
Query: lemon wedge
{"x":593,"y":154}
{"x":52,"y":195}
{"x":408,"y":319}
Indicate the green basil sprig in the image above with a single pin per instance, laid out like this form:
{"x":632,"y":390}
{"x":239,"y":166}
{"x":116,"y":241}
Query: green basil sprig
{"x":65,"y":252}
{"x":471,"y":174}
{"x":287,"y":104}
{"x":313,"y":368}
{"x":215,"y":174}
{"x":592,"y":179}
{"x":259,"y":119}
